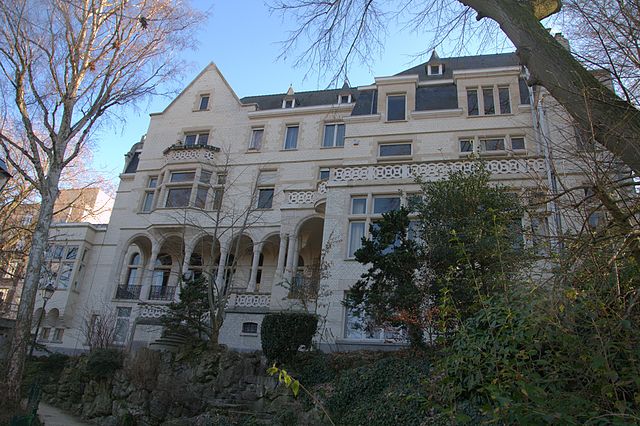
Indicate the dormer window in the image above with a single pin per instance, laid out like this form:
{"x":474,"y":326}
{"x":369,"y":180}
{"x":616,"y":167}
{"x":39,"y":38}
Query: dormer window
{"x":344,"y":99}
{"x":435,"y":69}
{"x":289,"y":103}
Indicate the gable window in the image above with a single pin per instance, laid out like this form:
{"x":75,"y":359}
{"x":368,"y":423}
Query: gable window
{"x":291,"y":137}
{"x":255,"y":143}
{"x":472,"y":101}
{"x":288,"y":103}
{"x":505,"y":100}
{"x":333,"y":135}
{"x":394,"y":149}
{"x":204,"y":102}
{"x":396,"y":107}
{"x":192,"y":139}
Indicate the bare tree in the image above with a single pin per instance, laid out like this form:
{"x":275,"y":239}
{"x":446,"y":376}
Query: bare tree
{"x":99,"y":327}
{"x":342,"y":30}
{"x":65,"y":66}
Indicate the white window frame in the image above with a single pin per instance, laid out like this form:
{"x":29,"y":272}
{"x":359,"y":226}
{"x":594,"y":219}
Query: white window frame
{"x":252,"y":141}
{"x":429,"y":70}
{"x":340,"y":96}
{"x":334,"y":140}
{"x":396,"y":156}
{"x":198,"y":137}
{"x":201,"y":98}
{"x":286,"y":100}
{"x":286,"y":134}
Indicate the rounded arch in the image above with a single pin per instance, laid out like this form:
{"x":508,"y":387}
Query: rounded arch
{"x":305,"y":220}
{"x":51,"y":317}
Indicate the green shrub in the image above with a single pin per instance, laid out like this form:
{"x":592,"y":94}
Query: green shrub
{"x":102,"y":363}
{"x":284,"y":332}
{"x":387,"y":392}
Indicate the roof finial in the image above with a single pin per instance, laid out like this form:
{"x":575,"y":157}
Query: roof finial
{"x":347,"y":84}
{"x":434,"y":57}
{"x":290,"y":92}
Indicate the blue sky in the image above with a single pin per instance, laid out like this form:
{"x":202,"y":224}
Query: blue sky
{"x":242,"y":38}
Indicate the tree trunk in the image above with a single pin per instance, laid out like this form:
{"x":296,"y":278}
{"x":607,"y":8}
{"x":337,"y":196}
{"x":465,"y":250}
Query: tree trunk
{"x":613,"y":122}
{"x":21,"y":337}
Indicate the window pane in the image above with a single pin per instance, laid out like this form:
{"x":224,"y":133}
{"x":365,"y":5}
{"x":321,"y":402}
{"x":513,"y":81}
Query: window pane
{"x":190,"y":140}
{"x":492,"y":144}
{"x":133,"y":274}
{"x":148,"y":202}
{"x":358,"y":206}
{"x":344,"y":99}
{"x":517,"y":143}
{"x":505,"y":101}
{"x":472,"y":102}
{"x":57,"y":252}
{"x":291,"y":139}
{"x":217,"y":198}
{"x":389,"y":150}
{"x":395,"y":107}
{"x":356,"y":233}
{"x":340,"y":135}
{"x":201,"y":198}
{"x":250,"y":327}
{"x":434,"y":69}
{"x":121,"y":329}
{"x":204,"y":102}
{"x":265,"y":198}
{"x":72,"y":252}
{"x":466,"y":145}
{"x":178,"y":197}
{"x":487,"y":97}
{"x":153,"y":182}
{"x":203,"y":138}
{"x":385,"y":204}
{"x":222,"y":178}
{"x":256,"y":139}
{"x":329,"y":135}
{"x":324,"y":174}
{"x":183,"y":176}
{"x":65,"y":275}
{"x":205,"y":176}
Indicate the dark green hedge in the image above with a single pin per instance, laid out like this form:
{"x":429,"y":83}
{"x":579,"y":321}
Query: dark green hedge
{"x":102,"y":363}
{"x":284,"y":332}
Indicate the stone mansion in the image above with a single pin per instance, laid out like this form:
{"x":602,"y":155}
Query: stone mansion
{"x":272,"y":194}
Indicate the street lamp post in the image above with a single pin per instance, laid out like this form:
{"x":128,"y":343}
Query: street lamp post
{"x":46,"y":293}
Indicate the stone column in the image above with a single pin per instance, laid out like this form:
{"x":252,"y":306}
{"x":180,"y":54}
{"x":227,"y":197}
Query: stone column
{"x":257,"y":249}
{"x":148,"y":273}
{"x":291,"y":255}
{"x":282,"y":250}
{"x":188,"y":250}
{"x":224,"y":252}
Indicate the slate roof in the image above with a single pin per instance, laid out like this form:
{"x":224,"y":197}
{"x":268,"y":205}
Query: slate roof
{"x":303,"y":99}
{"x":428,"y":98}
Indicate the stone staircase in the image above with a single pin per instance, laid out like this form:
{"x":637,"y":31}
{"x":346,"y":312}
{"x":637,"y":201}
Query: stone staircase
{"x":169,"y":342}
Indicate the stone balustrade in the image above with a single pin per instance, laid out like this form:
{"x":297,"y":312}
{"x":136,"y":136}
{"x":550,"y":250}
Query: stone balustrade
{"x":249,"y":300}
{"x":152,"y":311}
{"x":435,"y":170}
{"x":190,"y":154}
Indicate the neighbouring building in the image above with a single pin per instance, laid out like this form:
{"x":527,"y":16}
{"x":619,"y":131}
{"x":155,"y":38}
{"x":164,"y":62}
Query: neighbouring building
{"x":265,"y":192}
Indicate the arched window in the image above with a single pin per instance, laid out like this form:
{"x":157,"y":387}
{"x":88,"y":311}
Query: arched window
{"x":259,"y":275}
{"x":132,"y":273}
{"x":162,"y":270}
{"x":195,"y":265}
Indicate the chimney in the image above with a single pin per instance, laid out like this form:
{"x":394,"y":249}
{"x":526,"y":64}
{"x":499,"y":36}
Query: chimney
{"x":562,"y":40}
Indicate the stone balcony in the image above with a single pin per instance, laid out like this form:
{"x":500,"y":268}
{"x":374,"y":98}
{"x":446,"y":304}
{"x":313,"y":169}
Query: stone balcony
{"x":248,"y":300}
{"x":179,"y":153}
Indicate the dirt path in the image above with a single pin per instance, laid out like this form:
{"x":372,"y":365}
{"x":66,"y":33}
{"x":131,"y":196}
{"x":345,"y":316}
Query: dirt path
{"x":52,"y":416}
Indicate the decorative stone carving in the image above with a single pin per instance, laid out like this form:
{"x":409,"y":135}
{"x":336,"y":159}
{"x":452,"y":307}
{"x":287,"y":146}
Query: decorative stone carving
{"x":152,"y":311}
{"x":250,"y":301}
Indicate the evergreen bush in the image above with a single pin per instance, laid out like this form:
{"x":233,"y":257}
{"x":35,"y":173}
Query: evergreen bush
{"x":102,"y":363}
{"x":284,"y":332}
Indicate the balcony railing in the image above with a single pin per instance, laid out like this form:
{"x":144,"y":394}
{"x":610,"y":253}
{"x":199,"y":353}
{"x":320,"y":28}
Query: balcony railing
{"x":128,"y":292}
{"x":160,"y":292}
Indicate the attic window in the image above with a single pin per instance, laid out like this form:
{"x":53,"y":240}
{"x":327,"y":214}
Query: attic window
{"x":344,"y":99}
{"x":288,"y":103}
{"x":204,"y":103}
{"x":435,"y":69}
